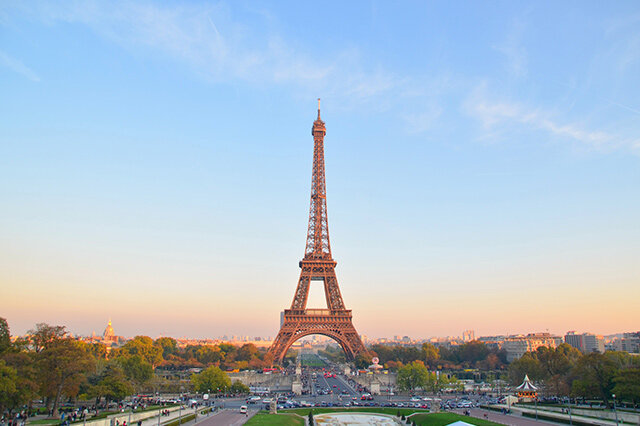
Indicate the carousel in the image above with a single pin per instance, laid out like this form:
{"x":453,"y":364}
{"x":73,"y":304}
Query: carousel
{"x":526,"y":392}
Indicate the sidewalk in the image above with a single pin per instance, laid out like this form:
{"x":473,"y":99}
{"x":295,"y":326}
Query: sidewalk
{"x":174,"y":415}
{"x":555,"y":415}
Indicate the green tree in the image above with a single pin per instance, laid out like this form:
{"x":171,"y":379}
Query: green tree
{"x":594,"y":375}
{"x":5,"y":336}
{"x":413,"y":376}
{"x":136,"y":369}
{"x":211,"y":379}
{"x":26,"y":384}
{"x":144,"y":347}
{"x":363,"y":361}
{"x":246,"y":352}
{"x":168,"y":345}
{"x":8,"y":386}
{"x":527,"y":364}
{"x":209,"y":354}
{"x":45,"y":335}
{"x":62,"y":365}
{"x":627,"y":385}
{"x":430,"y":353}
{"x":555,"y":364}
{"x":239,"y":387}
{"x":112,"y":384}
{"x":98,"y":350}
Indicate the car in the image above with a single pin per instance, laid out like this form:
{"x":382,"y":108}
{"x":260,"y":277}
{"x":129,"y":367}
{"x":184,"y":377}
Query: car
{"x":243,"y":409}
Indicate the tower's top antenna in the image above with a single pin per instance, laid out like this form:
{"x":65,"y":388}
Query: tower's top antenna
{"x":318,"y":108}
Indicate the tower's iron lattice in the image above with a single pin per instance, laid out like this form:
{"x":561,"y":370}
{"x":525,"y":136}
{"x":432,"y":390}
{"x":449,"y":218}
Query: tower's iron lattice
{"x":335,"y":321}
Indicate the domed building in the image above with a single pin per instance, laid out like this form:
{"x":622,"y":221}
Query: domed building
{"x":109,"y":335}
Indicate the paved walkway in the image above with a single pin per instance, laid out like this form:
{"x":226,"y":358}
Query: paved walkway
{"x":517,"y":411}
{"x":174,"y":415}
{"x":505,"y":419}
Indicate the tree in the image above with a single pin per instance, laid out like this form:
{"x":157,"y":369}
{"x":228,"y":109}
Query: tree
{"x":209,"y":354}
{"x":98,"y":350}
{"x":62,"y":365}
{"x":239,"y":387}
{"x":246,"y":352}
{"x":594,"y":375}
{"x":5,"y":336}
{"x":136,"y":369}
{"x":211,"y":379}
{"x":112,"y":384}
{"x":413,"y":376}
{"x":45,"y":335}
{"x":8,"y":387}
{"x":26,"y":382}
{"x":431,"y":354}
{"x":555,"y":364}
{"x":168,"y":345}
{"x":627,"y":385}
{"x":527,"y":364}
{"x":144,"y":347}
{"x":363,"y":361}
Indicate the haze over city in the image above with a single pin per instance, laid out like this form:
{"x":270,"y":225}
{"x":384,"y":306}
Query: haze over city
{"x":482,"y":164}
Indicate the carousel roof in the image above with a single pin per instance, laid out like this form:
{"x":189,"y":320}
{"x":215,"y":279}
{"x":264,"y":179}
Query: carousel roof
{"x":526,"y":385}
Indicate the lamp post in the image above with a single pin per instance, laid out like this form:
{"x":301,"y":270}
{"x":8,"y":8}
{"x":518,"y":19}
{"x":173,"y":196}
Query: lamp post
{"x":614,"y":407}
{"x":536,"y":408}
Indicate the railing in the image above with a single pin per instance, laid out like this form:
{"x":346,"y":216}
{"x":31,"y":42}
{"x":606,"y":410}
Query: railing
{"x":318,"y":312}
{"x":325,"y":312}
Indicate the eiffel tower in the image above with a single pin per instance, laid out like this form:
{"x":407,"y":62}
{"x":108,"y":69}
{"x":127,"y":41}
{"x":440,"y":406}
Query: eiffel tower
{"x":317,"y":265}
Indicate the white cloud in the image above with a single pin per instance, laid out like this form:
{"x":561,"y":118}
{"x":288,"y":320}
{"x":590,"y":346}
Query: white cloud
{"x":207,"y":38}
{"x":515,"y":53}
{"x":17,"y":66}
{"x":423,"y":121}
{"x":499,"y":116}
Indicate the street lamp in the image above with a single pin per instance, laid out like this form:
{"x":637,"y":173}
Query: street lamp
{"x":614,"y":407}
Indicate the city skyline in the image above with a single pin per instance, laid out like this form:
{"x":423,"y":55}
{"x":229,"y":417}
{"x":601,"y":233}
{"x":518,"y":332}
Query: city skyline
{"x":482,"y":165}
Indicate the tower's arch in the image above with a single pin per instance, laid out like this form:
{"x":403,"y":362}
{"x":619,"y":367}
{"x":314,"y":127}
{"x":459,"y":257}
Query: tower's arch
{"x":349,"y":354}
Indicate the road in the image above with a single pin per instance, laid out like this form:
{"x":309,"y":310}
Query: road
{"x":230,"y":417}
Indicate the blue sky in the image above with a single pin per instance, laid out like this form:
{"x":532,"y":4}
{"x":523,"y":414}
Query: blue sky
{"x":155,"y":163}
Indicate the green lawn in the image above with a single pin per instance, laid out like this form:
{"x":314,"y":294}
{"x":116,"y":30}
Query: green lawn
{"x":442,"y":419}
{"x":382,"y":410}
{"x":44,"y":422}
{"x":266,"y":419}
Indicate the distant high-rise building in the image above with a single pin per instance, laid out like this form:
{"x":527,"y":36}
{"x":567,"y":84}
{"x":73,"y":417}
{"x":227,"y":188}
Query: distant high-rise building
{"x":630,"y":342}
{"x":573,"y":339}
{"x":585,"y":342}
{"x":592,"y":343}
{"x":468,"y":336}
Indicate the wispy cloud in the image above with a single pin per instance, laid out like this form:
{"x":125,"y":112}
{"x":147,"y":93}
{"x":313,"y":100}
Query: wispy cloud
{"x":515,"y":53}
{"x":500,"y":116}
{"x":17,"y":66}
{"x":221,"y":49}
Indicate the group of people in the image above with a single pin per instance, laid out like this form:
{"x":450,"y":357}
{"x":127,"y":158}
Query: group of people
{"x":16,"y":420}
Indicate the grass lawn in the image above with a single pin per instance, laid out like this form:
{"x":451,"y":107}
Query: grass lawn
{"x":442,"y":419}
{"x":267,"y":419}
{"x":383,"y":410}
{"x":44,"y":422}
